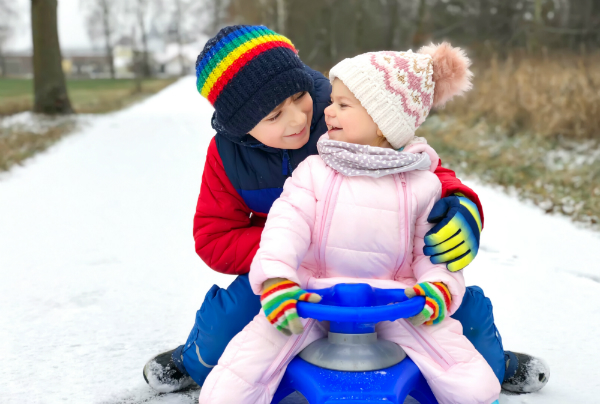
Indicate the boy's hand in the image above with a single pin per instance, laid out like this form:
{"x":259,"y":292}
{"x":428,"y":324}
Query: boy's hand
{"x":279,"y":298}
{"x":454,"y":241}
{"x":437,"y":302}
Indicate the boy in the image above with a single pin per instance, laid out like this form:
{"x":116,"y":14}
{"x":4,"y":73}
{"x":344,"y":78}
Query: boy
{"x":268,"y":117}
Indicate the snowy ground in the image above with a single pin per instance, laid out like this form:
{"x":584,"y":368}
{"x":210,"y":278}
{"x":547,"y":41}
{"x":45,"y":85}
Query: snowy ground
{"x":98,"y":270}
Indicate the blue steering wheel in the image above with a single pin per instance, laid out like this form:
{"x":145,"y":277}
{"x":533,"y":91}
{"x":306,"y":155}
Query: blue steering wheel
{"x":356,"y":308}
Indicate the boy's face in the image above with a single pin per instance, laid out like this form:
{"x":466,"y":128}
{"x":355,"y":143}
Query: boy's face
{"x":288,"y":125}
{"x":347,"y":120}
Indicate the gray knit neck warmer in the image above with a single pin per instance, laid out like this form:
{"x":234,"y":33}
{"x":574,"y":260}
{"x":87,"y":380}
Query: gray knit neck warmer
{"x":352,"y":160}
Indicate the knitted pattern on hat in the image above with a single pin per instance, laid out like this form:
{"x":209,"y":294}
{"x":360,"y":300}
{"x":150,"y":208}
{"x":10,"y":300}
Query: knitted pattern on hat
{"x":245,"y":72}
{"x":397,"y":88}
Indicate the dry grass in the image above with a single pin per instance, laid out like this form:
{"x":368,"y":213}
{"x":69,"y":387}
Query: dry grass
{"x":559,"y":175}
{"x":19,"y":142}
{"x":550,"y":96}
{"x":532,"y":126}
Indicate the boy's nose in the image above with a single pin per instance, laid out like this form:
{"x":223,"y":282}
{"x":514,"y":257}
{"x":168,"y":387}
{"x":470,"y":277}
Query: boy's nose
{"x":299,"y":117}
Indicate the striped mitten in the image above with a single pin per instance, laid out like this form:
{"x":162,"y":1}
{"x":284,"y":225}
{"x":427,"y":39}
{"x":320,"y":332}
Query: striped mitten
{"x":279,"y":300}
{"x":437,"y":302}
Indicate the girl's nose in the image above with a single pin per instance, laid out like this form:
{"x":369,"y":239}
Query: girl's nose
{"x":329,"y":111}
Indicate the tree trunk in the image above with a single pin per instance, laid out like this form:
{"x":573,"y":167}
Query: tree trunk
{"x":182,"y":64}
{"x":141,"y":14}
{"x":359,"y":28}
{"x":281,"y":16}
{"x":216,"y":16}
{"x":419,"y":35}
{"x":48,"y":77}
{"x":2,"y":64}
{"x":107,"y":29}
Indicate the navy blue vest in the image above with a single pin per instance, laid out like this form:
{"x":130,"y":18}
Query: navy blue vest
{"x":257,"y":171}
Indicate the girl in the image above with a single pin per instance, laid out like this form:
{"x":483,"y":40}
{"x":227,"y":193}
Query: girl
{"x":358,"y":213}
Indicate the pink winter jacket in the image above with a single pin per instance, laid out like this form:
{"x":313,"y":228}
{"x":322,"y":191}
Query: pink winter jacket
{"x":327,"y":228}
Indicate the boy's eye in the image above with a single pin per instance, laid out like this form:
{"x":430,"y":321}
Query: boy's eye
{"x":274,"y":117}
{"x":296,"y":98}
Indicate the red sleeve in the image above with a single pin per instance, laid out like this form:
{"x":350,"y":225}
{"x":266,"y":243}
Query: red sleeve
{"x":452,"y":185}
{"x":225,"y":236}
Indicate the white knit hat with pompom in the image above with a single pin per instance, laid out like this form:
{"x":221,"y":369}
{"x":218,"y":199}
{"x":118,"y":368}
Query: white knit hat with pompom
{"x":398,"y":89}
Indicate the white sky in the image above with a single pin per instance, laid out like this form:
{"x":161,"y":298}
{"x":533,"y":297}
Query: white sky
{"x":71,"y":29}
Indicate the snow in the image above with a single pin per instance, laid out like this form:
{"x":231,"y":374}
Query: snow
{"x":98,"y":269}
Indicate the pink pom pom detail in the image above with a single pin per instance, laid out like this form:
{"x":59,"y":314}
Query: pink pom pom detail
{"x":451,"y":73}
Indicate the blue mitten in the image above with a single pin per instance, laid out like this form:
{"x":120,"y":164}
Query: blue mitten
{"x":454,"y":240}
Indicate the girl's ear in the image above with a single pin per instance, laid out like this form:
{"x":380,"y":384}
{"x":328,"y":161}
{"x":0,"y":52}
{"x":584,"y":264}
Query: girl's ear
{"x":379,"y":132}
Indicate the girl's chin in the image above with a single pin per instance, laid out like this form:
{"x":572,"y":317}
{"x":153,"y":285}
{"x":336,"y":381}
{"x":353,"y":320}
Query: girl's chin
{"x":335,"y":135}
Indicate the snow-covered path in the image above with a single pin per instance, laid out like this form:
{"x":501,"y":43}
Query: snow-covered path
{"x":98,"y":270}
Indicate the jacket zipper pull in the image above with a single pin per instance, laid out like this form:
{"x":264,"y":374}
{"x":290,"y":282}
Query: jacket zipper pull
{"x":285,"y":163}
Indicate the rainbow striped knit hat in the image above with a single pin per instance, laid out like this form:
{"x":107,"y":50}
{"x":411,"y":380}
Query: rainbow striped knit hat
{"x":245,"y":72}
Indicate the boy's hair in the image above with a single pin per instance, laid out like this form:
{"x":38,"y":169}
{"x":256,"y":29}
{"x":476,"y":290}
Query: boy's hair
{"x":245,"y":72}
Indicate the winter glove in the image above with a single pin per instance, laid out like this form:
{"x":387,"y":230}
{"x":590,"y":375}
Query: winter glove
{"x":454,"y":240}
{"x":279,"y":298}
{"x":437,"y":302}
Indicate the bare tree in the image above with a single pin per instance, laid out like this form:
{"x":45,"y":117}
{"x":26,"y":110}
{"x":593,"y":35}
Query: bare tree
{"x":180,"y":8}
{"x":183,"y":29}
{"x":7,"y":15}
{"x":217,"y":9}
{"x":102,"y":24}
{"x":281,"y":16}
{"x":141,"y":13}
{"x":48,"y":77}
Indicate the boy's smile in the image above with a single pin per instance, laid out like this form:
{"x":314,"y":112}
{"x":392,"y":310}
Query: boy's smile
{"x":301,"y":133}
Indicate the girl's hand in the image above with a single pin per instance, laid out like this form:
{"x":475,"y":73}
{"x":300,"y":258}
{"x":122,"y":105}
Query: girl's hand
{"x":437,"y":302}
{"x":454,"y":240}
{"x":279,"y":298}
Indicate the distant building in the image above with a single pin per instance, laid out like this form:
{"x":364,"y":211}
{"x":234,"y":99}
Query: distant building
{"x":164,"y":60}
{"x":169,"y":62}
{"x":18,"y":64}
{"x":85,"y":63}
{"x":76,"y":63}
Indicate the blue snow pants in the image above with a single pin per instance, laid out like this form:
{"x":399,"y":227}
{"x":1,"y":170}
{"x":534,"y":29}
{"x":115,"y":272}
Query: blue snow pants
{"x":225,"y":312}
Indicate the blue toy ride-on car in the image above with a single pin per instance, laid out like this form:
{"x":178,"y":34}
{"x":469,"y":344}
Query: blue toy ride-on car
{"x":352,"y":365}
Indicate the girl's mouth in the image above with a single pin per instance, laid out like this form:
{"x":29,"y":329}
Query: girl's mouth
{"x":332,"y":128}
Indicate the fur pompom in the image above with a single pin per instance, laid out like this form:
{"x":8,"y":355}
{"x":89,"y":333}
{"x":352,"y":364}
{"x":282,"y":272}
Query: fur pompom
{"x":451,"y":73}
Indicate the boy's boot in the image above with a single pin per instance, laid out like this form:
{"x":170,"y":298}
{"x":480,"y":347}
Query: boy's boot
{"x":524,"y":373}
{"x":166,"y":375}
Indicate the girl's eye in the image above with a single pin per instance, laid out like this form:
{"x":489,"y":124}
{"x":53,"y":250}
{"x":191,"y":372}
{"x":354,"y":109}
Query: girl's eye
{"x":275,"y":117}
{"x":300,"y":96}
{"x":343,"y":105}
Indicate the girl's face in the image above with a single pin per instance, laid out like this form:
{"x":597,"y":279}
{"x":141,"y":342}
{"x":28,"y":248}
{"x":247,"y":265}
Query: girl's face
{"x":348,"y":121}
{"x":288,"y":125}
